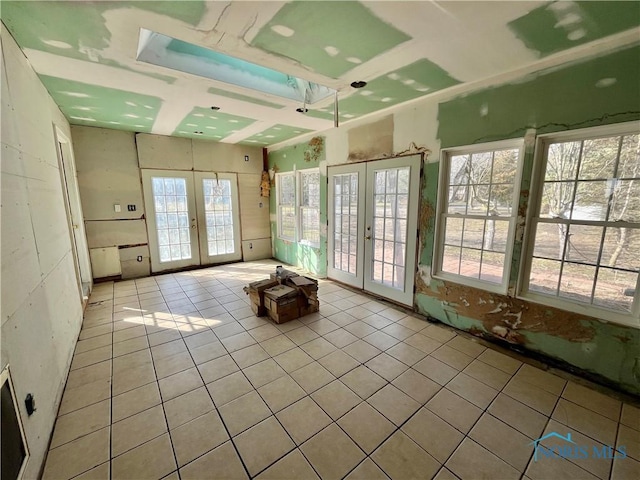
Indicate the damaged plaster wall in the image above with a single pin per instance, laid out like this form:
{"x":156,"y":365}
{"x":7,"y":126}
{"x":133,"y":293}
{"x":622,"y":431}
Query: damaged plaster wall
{"x":310,"y":154}
{"x":41,"y":300}
{"x":109,"y":163}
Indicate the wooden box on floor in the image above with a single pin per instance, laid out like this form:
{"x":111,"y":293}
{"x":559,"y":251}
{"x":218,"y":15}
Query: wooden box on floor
{"x":255,"y":291}
{"x":281,"y":303}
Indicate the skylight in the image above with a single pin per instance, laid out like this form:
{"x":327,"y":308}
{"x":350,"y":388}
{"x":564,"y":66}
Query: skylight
{"x":158,"y":49}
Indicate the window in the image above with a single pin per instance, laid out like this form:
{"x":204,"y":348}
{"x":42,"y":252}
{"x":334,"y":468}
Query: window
{"x":309,"y":181}
{"x":585,"y":226}
{"x":286,"y":199}
{"x":477,"y":211}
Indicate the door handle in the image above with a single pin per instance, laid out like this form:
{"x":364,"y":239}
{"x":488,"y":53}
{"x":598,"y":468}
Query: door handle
{"x":367,"y":237}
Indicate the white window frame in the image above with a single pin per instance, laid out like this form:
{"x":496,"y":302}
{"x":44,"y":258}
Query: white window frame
{"x":279,"y":177}
{"x":537,"y":184}
{"x":300,"y":207}
{"x":442,"y":204}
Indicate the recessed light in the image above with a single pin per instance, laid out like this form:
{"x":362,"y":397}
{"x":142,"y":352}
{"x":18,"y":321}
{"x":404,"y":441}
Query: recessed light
{"x":358,"y":84}
{"x":215,"y":108}
{"x":302,"y":110}
{"x":198,"y":133}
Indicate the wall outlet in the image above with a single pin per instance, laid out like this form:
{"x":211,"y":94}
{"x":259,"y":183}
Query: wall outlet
{"x":139,"y":258}
{"x":131,"y":208}
{"x":246,"y":158}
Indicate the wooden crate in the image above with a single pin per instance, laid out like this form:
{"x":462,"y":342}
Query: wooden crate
{"x":281,"y":303}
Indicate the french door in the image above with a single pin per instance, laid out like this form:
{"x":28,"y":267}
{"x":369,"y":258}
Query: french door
{"x":192,"y":218}
{"x":373,"y":211}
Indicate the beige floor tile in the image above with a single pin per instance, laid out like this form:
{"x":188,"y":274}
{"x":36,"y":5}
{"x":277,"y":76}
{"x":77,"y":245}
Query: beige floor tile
{"x":130,"y":360}
{"x":281,"y":393}
{"x":164,"y":336}
{"x":454,"y":409}
{"x":101,"y":472}
{"x":244,"y":412}
{"x":558,"y":468}
{"x":472,"y":390}
{"x":532,"y":396}
{"x":472,"y":461}
{"x":366,"y":427}
{"x":229,"y":388}
{"x":91,"y":357}
{"x":293,"y":466}
{"x":445,"y":474}
{"x":94,"y":342}
{"x":386,"y":366}
{"x":183,"y":382}
{"x":544,"y":380}
{"x":222,"y":460}
{"x":338,"y":363}
{"x":198,"y":437}
{"x":423,"y":343}
{"x":452,"y":357}
{"x":436,"y":370}
{"x":500,"y":361}
{"x":151,"y":460}
{"x":264,"y":332}
{"x":173,"y":364}
{"x":168,"y":349}
{"x":200,"y":339}
{"x":137,"y":429}
{"x":341,"y":338}
{"x":135,"y":377}
{"x":318,"y":348}
{"x":78,"y":456}
{"x":130,"y":346}
{"x":135,"y":401}
{"x":401,"y":457}
{"x":630,"y":416}
{"x":262,"y":445}
{"x":394,"y":404}
{"x":591,"y":399}
{"x":361,"y":351}
{"x":414,"y":323}
{"x":91,"y":332}
{"x":406,"y":353}
{"x":332,"y":453}
{"x":518,"y":415}
{"x":312,"y":377}
{"x":81,"y":422}
{"x":363,"y":381}
{"x":207,"y":352}
{"x":585,"y":421}
{"x":625,"y":469}
{"x":293,"y":359}
{"x":438,"y":332}
{"x":301,"y":335}
{"x":341,"y":318}
{"x":381,"y":340}
{"x":85,"y":395}
{"x":398,"y":331}
{"x":263,"y":372}
{"x":89,"y":374}
{"x":303,"y":419}
{"x":629,"y":438}
{"x":367,"y":470}
{"x":467,"y":346}
{"x":392,"y":314}
{"x":507,"y":443}
{"x":238,"y":342}
{"x":416,"y":385}
{"x":433,"y":434}
{"x":487,"y":374}
{"x":277,"y":345}
{"x":129,"y":333}
{"x":599,"y":467}
{"x":336,"y":399}
{"x":187,"y":407}
{"x":217,"y":368}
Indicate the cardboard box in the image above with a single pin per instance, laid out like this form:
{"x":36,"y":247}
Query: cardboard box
{"x":255,"y":291}
{"x":281,"y":303}
{"x":283,"y":275}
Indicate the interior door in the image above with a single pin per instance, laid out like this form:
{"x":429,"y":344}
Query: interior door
{"x":347,"y":184}
{"x":373,"y":212}
{"x":171,"y":219}
{"x":218,"y":217}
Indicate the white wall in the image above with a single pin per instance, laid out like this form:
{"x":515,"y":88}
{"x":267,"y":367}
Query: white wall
{"x":41,"y":303}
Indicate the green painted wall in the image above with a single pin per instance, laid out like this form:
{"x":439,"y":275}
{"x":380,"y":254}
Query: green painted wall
{"x":301,"y":156}
{"x":572,"y":97}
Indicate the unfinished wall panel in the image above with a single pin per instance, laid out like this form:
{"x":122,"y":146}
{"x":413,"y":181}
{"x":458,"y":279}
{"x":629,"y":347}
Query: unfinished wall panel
{"x":258,"y":249}
{"x":254,"y":209}
{"x":113,"y":233}
{"x":164,"y":153}
{"x":211,"y":156}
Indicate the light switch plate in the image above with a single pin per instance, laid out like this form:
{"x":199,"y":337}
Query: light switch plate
{"x":117,"y":207}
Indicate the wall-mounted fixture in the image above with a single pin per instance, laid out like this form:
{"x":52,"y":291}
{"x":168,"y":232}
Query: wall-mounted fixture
{"x":302,"y":110}
{"x":246,"y":158}
{"x":30,"y":404}
{"x":359,"y":84}
{"x":215,"y":108}
{"x":131,"y":208}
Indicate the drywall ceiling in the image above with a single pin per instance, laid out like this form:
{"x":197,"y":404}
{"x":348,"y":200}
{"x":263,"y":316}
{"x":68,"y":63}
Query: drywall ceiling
{"x":86,"y":54}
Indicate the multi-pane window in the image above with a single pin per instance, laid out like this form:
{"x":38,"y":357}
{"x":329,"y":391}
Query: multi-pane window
{"x":218,"y":209}
{"x":172,"y":218}
{"x":286,"y":200}
{"x":310,"y":207}
{"x":585,"y":231}
{"x":478,"y":206}
{"x":345,"y":213}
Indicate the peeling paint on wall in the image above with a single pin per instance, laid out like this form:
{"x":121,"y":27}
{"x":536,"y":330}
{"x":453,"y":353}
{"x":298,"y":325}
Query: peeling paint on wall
{"x":373,"y":140}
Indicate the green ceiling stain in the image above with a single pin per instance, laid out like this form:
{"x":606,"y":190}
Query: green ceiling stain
{"x":244,"y":98}
{"x":562,"y":25}
{"x":213,"y":125}
{"x":275,"y":134}
{"x":95,"y":106}
{"x":409,"y":82}
{"x":78,"y":29}
{"x":321,"y":35}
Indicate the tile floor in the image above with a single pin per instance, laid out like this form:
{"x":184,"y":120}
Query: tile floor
{"x":174,"y":377}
